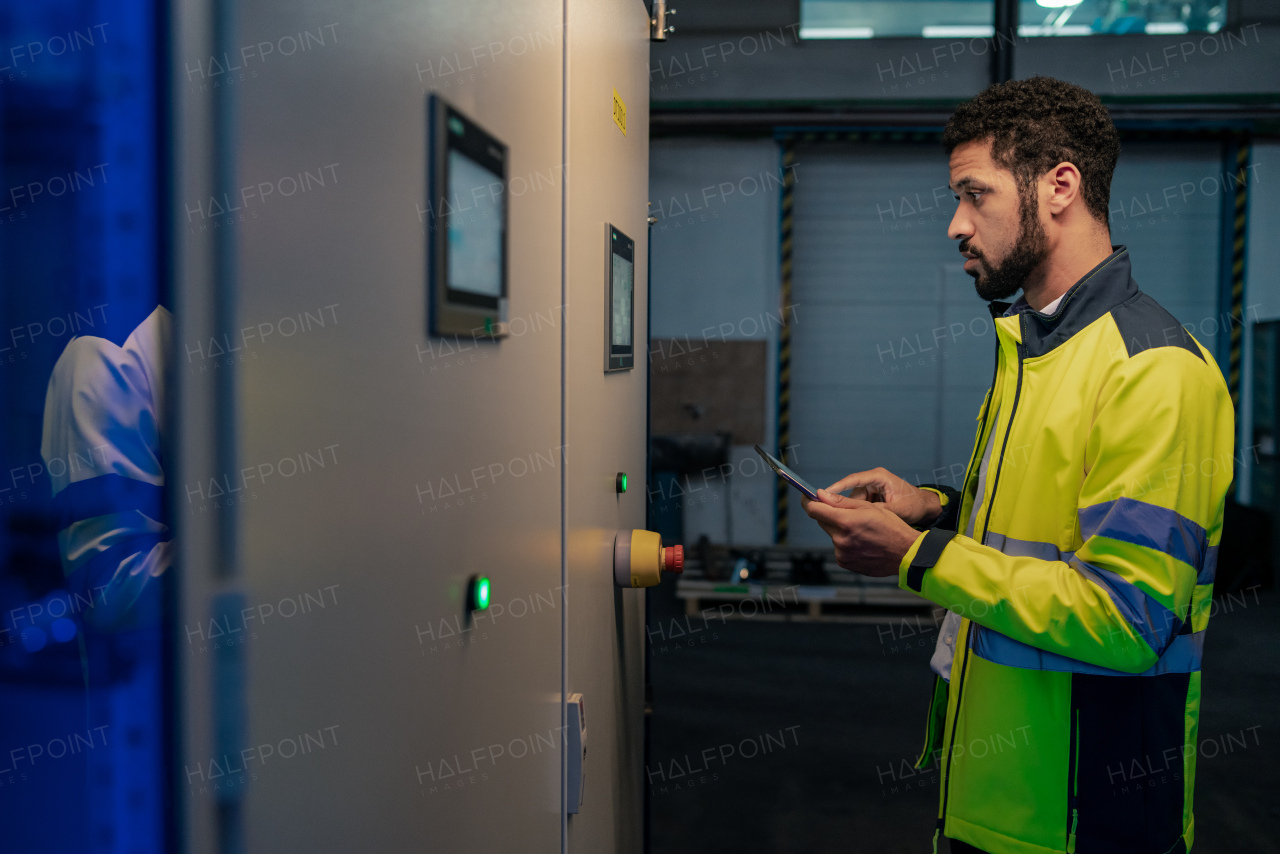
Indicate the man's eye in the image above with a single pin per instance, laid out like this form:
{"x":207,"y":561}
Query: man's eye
{"x":974,"y":194}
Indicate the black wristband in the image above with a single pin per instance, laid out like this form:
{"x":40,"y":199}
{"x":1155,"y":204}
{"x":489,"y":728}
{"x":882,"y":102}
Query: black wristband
{"x":935,"y":540}
{"x":950,"y":515}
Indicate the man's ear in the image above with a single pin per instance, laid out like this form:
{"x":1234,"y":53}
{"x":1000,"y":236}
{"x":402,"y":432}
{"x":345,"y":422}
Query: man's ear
{"x":1064,"y":186}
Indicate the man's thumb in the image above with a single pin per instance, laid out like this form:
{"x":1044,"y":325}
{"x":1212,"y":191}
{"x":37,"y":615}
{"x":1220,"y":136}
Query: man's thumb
{"x":843,"y":502}
{"x":831,"y":498}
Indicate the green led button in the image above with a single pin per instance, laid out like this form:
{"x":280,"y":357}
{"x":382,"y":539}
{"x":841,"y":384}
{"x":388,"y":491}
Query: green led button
{"x":620,"y":482}
{"x":478,"y":593}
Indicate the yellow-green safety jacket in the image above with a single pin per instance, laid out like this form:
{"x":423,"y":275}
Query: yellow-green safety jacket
{"x":1069,"y":722}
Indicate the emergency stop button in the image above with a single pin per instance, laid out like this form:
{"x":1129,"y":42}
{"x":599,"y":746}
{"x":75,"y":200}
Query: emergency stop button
{"x":639,"y":559}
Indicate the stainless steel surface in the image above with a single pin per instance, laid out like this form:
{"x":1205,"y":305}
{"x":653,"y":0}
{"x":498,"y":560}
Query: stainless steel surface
{"x":388,"y":522}
{"x":608,"y":50}
{"x":379,"y":469}
{"x":415,"y":462}
{"x":194,"y":409}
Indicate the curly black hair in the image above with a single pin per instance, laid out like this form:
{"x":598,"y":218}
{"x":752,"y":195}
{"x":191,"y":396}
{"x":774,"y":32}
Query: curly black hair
{"x":1037,"y":123}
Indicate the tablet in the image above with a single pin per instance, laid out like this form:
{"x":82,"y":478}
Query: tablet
{"x":787,"y":474}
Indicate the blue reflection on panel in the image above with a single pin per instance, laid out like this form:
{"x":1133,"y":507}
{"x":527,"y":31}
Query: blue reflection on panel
{"x":82,"y":699}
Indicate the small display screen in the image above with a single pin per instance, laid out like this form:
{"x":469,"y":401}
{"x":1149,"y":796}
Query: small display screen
{"x":620,"y":302}
{"x":474,"y":227}
{"x":623,"y":289}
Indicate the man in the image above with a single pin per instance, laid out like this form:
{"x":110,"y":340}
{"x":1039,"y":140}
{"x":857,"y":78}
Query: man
{"x":1077,"y":560}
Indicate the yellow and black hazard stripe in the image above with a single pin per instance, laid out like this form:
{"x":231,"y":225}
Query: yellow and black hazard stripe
{"x":1239,"y":225}
{"x":784,"y":332}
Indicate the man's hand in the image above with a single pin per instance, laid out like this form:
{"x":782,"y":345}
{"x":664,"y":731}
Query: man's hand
{"x":869,"y":537}
{"x":878,"y":486}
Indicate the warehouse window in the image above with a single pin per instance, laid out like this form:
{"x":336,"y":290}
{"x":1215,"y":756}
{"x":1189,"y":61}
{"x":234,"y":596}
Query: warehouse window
{"x":846,"y":19}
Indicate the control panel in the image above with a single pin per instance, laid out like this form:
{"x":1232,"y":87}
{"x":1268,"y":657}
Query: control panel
{"x":620,"y":302}
{"x":466,"y":226}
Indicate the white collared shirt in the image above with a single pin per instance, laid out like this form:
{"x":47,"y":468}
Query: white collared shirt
{"x":944,"y":651}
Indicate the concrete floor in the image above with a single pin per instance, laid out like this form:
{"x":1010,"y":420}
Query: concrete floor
{"x":798,"y":738}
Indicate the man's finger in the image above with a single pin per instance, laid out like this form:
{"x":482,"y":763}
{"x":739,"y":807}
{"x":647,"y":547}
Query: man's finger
{"x":829,"y":498}
{"x":820,"y":512}
{"x":825,"y":514}
{"x":828,"y":518}
{"x":862,"y":479}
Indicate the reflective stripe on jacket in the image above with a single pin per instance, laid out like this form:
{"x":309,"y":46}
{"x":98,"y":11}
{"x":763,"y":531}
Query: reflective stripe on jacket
{"x":1069,"y":724}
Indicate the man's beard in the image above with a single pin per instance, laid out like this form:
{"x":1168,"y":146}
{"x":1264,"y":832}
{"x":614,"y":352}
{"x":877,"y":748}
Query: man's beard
{"x":1003,"y":280}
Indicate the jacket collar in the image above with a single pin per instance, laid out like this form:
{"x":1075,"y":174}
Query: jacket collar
{"x":1098,"y":291}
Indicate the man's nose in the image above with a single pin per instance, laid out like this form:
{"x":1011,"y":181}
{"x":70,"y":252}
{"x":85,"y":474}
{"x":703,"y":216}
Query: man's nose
{"x":961,"y":226}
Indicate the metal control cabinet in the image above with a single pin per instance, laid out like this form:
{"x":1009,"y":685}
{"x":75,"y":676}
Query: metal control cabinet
{"x":417,"y":462}
{"x":608,"y":52}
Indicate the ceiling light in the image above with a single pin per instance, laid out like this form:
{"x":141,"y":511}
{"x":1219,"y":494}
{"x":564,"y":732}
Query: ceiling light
{"x":836,"y":32}
{"x":1166,"y":28}
{"x":958,"y":31}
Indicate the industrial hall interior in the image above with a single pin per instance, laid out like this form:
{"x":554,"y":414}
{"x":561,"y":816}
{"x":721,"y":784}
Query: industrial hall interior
{"x":868,"y":409}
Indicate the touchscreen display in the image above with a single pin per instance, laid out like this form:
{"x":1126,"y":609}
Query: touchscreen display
{"x":474,"y":227}
{"x":784,"y":471}
{"x":623,"y":286}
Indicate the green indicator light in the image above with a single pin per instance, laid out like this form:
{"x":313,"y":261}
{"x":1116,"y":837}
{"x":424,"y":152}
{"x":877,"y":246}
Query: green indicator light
{"x":620,"y":482}
{"x":478,"y":593}
{"x":455,"y":125}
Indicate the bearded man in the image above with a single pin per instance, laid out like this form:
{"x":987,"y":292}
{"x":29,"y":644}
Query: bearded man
{"x":1077,"y":560}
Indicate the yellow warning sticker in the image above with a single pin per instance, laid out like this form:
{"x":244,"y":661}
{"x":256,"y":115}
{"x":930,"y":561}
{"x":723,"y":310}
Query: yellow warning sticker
{"x":619,"y":112}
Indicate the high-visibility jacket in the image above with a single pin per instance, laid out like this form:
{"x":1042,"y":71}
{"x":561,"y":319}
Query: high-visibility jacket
{"x":1069,"y":722}
{"x":103,"y":449}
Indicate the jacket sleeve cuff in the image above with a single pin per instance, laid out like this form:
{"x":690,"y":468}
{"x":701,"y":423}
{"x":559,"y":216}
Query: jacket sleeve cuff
{"x":922,"y":555}
{"x":950,"y":501}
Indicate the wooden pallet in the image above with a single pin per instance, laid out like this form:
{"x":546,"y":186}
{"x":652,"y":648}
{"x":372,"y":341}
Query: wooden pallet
{"x":772,"y":592}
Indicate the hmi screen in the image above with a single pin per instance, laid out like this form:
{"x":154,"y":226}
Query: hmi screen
{"x":474,"y":228}
{"x":466,"y":219}
{"x":621,"y":302}
{"x":623,"y":285}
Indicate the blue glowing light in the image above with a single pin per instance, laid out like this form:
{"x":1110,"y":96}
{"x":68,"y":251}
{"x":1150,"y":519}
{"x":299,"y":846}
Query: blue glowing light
{"x":63,"y":630}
